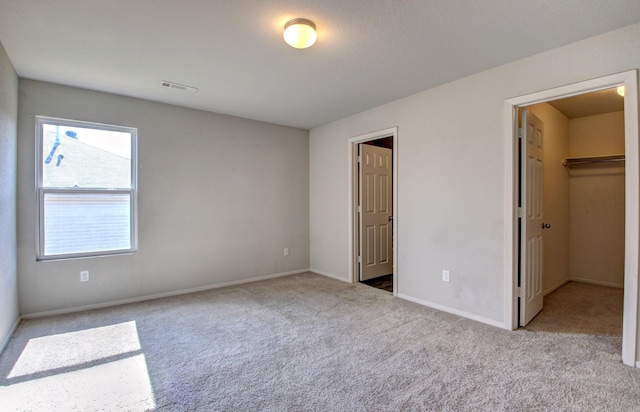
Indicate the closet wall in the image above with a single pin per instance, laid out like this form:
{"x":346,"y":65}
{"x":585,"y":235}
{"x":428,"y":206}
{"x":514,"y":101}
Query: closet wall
{"x":596,"y":248}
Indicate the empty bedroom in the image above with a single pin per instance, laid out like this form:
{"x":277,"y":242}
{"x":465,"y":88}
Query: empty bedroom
{"x":184,"y":191}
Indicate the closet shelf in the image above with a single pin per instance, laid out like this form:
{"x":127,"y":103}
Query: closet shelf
{"x":575,"y":161}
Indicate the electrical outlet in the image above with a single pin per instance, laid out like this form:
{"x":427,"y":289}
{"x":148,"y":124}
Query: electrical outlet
{"x":84,"y":276}
{"x":286,"y":251}
{"x":445,"y":275}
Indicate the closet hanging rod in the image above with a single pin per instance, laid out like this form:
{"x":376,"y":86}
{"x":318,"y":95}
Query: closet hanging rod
{"x":574,"y":161}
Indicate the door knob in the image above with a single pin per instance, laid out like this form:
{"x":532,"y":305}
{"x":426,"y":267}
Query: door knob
{"x":546,"y":225}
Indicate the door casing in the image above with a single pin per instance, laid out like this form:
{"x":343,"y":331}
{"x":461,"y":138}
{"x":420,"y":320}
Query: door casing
{"x":629,"y":80}
{"x":352,"y":151}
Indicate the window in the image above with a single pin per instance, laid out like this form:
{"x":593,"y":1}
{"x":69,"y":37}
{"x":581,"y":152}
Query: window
{"x":86,"y":188}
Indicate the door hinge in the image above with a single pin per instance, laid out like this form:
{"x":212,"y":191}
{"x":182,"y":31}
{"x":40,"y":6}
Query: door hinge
{"x":359,"y":208}
{"x":520,"y":133}
{"x":519,"y":212}
{"x":359,"y":158}
{"x":519,"y":292}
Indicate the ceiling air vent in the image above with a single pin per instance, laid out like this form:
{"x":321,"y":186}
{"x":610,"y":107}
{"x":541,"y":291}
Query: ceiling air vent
{"x":176,"y":86}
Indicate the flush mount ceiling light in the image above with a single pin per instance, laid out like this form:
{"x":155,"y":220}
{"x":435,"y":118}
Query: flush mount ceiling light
{"x":620,"y":90}
{"x":300,"y":33}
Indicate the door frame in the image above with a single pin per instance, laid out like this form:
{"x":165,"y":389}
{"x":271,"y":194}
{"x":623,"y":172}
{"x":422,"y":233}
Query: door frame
{"x":629,"y":80}
{"x":352,"y":152}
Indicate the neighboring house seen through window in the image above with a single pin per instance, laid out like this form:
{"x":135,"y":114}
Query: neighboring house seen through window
{"x":86,"y":188}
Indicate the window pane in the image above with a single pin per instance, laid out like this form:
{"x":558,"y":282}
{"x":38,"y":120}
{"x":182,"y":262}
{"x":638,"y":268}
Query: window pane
{"x":85,"y":158}
{"x":84,"y":223}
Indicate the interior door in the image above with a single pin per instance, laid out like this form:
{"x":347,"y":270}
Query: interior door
{"x":531,"y":187}
{"x":376,"y":216}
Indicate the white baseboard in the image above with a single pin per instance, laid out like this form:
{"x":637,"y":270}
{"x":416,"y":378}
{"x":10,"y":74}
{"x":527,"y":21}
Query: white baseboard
{"x":556,"y":287}
{"x":7,"y":338}
{"x":457,"y":312}
{"x":597,"y":282}
{"x":158,"y":295}
{"x":638,"y":364}
{"x":330,"y":275}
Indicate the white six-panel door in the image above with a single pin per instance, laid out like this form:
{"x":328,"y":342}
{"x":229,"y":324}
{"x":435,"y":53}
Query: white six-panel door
{"x":376,"y":253}
{"x":532,"y":161}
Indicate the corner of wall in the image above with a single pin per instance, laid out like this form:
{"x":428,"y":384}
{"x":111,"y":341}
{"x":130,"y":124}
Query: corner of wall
{"x":9,"y":312}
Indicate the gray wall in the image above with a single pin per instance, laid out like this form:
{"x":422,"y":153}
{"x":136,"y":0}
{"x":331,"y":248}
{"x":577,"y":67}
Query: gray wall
{"x":8,"y":147}
{"x":219,"y":199}
{"x":451,"y":189}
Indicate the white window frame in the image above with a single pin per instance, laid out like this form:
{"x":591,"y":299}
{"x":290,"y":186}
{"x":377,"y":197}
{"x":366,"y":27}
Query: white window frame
{"x":41,"y":191}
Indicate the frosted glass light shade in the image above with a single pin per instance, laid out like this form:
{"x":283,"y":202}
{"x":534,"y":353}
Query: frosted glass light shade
{"x":620,"y":90}
{"x":300,"y":33}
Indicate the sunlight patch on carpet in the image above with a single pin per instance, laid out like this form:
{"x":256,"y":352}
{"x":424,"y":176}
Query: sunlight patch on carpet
{"x":119,"y":385}
{"x":101,"y":368}
{"x":76,"y":348}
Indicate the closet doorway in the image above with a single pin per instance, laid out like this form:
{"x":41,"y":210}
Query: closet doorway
{"x":373,"y":209}
{"x":518,"y":286}
{"x":583,"y":200}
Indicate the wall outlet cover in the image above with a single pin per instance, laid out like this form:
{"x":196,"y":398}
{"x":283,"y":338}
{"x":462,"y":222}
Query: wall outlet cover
{"x":445,"y":275}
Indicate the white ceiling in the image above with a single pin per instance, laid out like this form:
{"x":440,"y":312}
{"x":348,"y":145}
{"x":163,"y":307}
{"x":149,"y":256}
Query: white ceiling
{"x":369,"y":52}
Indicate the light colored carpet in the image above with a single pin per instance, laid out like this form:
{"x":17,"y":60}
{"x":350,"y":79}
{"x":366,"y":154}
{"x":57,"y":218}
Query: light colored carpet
{"x":304,"y":343}
{"x":581,"y":308}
